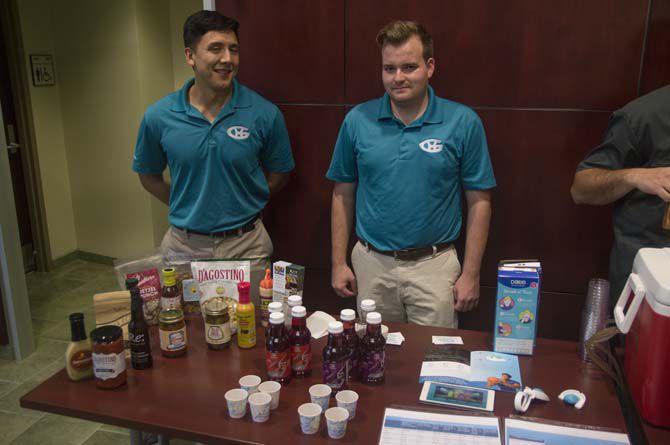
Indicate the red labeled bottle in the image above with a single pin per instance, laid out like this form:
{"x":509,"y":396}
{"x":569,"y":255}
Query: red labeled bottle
{"x":278,"y":350}
{"x":300,"y":340}
{"x":348,"y":317}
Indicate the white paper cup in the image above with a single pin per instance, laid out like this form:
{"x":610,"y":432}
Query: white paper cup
{"x":310,"y":417}
{"x":250,"y":383}
{"x":348,"y":400}
{"x":320,"y":394}
{"x":336,"y":418}
{"x":272,"y":388}
{"x":259,"y":402}
{"x":236,"y":399}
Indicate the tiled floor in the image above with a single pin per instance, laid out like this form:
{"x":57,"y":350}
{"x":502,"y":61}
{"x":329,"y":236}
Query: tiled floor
{"x":53,"y":296}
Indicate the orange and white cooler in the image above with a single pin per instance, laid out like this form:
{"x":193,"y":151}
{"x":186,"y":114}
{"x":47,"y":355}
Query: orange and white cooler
{"x":643,"y":314}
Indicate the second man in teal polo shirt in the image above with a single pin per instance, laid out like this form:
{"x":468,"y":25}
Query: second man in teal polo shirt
{"x":227,"y":150}
{"x":399,"y":164}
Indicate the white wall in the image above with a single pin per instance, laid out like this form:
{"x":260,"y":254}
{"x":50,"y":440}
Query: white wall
{"x":113,"y":59}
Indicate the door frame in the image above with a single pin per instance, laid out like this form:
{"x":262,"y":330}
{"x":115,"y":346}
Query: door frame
{"x":18,"y":74}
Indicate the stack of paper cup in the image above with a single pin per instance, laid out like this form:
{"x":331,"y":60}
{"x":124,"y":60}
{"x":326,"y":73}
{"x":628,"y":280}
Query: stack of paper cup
{"x":595,"y":313}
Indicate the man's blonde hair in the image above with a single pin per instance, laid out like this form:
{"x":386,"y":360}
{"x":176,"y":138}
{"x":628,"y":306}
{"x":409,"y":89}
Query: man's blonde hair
{"x":399,"y":31}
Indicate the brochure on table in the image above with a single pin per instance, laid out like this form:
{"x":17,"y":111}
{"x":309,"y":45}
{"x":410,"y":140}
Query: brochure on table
{"x":522,"y":432}
{"x":481,"y":369}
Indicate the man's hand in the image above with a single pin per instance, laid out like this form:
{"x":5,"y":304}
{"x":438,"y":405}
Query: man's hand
{"x":653,"y":181}
{"x":343,"y":281}
{"x":466,"y":293}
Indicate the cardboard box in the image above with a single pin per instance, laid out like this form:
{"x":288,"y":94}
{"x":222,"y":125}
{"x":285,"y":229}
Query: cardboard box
{"x":287,"y":279}
{"x":517,"y":303}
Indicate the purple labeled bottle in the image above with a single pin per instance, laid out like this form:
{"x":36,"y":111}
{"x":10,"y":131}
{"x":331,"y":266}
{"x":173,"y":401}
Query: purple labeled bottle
{"x":348,"y":317}
{"x":335,"y":358}
{"x":371,"y":361}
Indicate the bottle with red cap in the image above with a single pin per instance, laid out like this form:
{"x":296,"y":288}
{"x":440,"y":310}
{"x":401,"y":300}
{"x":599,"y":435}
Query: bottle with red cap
{"x":246,"y":317}
{"x":278,"y":351}
{"x":335,"y":358}
{"x":301,"y":343}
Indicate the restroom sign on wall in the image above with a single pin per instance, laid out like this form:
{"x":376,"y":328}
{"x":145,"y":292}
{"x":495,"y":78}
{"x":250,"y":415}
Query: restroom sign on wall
{"x":42,"y":67}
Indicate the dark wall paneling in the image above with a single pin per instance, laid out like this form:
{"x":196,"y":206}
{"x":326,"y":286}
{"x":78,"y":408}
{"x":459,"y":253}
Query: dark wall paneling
{"x":534,"y":155}
{"x":299,"y":217}
{"x":572,"y":62}
{"x":656,"y":68}
{"x":522,"y":53}
{"x":291,"y":50}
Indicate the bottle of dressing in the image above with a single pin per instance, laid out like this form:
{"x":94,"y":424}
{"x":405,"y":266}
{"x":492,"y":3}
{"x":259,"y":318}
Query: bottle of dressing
{"x":78,"y":362}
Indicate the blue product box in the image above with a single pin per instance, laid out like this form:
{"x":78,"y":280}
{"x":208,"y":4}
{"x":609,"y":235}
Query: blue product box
{"x":517,"y":303}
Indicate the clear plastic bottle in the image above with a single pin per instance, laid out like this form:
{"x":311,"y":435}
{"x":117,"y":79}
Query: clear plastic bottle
{"x":300,"y":339}
{"x":367,"y":306}
{"x":293,"y":301}
{"x":278,"y":350}
{"x":335,"y":358}
{"x":266,"y":297}
{"x":371,"y":363}
{"x":348,"y":317}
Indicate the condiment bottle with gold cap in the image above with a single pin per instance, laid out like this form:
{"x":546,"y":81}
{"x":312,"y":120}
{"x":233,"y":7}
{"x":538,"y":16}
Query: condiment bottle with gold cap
{"x":171,"y":297}
{"x":246,"y":317}
{"x":217,"y":323}
{"x":266,"y":297}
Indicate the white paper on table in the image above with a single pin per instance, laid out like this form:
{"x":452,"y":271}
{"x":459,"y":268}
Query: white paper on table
{"x":519,"y":432}
{"x":406,"y":427}
{"x":395,"y":338}
{"x":317,"y":323}
{"x":446,"y":340}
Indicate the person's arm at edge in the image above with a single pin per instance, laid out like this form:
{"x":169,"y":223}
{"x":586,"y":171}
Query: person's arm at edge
{"x":343,"y":204}
{"x":466,"y":289}
{"x":597,"y":186}
{"x":276,"y":181}
{"x":156,"y":185}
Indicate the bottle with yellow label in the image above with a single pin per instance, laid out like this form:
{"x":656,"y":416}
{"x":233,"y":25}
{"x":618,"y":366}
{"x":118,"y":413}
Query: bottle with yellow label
{"x":266,"y":298}
{"x":246,"y":317}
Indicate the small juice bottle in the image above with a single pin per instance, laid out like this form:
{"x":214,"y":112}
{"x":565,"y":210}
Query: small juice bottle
{"x":171,"y":296}
{"x":278,"y":350}
{"x":335,"y":358}
{"x":246,"y":317}
{"x":266,"y":297}
{"x":301,"y":343}
{"x":348,"y":317}
{"x":371,"y":361}
{"x":291,"y":302}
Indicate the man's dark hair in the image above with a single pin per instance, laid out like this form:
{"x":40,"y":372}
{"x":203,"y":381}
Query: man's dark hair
{"x":201,"y":22}
{"x":398,"y":32}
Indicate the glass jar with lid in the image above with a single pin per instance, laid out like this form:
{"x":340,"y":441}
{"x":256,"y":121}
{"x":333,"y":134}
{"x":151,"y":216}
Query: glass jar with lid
{"x":109,"y":358}
{"x":217,"y":323}
{"x":172,"y":330}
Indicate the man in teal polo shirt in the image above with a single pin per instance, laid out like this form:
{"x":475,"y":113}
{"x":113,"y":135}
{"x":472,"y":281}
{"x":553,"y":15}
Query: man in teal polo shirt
{"x":227,"y":149}
{"x":401,"y":161}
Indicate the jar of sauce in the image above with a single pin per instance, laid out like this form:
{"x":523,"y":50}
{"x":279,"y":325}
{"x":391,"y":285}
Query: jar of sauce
{"x":109,"y":358}
{"x":172,"y":330}
{"x":217,"y":323}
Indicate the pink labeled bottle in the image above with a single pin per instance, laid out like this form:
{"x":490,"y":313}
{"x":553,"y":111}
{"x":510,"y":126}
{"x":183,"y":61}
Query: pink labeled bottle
{"x":371,"y":361}
{"x":335,"y":358}
{"x":300,"y":340}
{"x":348,"y":317}
{"x":278,"y":350}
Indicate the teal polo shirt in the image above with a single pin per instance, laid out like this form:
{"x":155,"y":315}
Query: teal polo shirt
{"x":216,"y":169}
{"x":409,"y":177}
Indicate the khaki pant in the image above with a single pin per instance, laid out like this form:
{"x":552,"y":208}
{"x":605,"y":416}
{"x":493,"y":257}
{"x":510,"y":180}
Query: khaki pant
{"x":255,"y":246}
{"x":418,"y":292}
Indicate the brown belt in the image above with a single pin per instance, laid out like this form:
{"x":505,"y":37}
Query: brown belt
{"x":248,"y":227}
{"x":411,"y":254}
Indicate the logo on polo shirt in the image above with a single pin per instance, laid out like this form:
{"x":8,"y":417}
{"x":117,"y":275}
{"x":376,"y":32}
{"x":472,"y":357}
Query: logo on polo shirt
{"x":431,"y":145}
{"x":238,"y":132}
